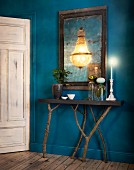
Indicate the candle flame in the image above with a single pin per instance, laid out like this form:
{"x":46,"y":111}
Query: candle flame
{"x":113,"y":61}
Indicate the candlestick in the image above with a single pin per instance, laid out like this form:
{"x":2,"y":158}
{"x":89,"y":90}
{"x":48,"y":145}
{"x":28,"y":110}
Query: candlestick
{"x":113,"y":62}
{"x":111,"y":96}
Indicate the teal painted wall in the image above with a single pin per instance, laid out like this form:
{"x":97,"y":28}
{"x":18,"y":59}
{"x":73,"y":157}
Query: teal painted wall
{"x":118,"y":126}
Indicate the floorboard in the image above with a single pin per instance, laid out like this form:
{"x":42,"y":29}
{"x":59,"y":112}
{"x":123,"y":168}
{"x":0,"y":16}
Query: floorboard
{"x":35,"y":161}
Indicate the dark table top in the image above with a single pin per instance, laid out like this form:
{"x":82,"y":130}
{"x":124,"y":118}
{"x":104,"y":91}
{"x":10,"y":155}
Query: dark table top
{"x":83,"y":102}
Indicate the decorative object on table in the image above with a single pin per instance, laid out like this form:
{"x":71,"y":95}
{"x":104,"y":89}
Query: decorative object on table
{"x":96,"y":88}
{"x":91,"y":87}
{"x":64,"y":97}
{"x":60,"y":76}
{"x":57,"y":90}
{"x":99,"y":93}
{"x":71,"y":96}
{"x":113,"y":62}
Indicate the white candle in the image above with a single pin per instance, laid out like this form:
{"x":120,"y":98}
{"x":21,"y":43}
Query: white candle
{"x":111,"y":72}
{"x":113,"y":62}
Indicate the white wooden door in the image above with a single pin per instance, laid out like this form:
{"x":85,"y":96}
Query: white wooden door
{"x":14,"y":84}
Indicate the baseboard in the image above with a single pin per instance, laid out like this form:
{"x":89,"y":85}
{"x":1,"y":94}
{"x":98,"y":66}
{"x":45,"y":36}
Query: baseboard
{"x":91,"y":153}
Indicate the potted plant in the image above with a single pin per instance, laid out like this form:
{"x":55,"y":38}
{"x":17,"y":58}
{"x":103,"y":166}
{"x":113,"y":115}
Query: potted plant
{"x":60,"y":75}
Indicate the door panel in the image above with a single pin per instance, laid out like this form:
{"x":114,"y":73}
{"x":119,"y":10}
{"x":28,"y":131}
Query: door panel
{"x":15,"y":80}
{"x":14,"y":84}
{"x":11,"y":34}
{"x":12,"y":137}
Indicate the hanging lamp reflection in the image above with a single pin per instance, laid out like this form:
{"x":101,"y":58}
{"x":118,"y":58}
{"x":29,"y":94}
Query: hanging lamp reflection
{"x":81,"y":56}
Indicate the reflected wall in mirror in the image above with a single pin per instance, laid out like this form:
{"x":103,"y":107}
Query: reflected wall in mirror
{"x":82,"y":40}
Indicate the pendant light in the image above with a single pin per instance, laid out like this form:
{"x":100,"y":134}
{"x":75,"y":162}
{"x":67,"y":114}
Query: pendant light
{"x":81,"y":56}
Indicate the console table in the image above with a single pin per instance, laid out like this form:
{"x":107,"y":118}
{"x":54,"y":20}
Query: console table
{"x":75,"y":107}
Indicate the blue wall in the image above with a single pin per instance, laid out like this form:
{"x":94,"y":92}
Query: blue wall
{"x":118,"y":126}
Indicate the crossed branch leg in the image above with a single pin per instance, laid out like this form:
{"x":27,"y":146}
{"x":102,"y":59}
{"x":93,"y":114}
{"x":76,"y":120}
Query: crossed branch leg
{"x":100,"y":134}
{"x":80,"y":139}
{"x":87,"y":139}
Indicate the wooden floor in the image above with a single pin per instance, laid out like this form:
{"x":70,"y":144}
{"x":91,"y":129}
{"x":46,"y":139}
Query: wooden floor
{"x":34,"y":161}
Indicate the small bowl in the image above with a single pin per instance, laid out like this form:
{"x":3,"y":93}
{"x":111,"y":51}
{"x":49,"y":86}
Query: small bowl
{"x":71,"y":96}
{"x":64,"y":98}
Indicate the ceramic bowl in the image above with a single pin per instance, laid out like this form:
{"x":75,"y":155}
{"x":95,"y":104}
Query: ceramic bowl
{"x":64,"y":98}
{"x":71,"y":96}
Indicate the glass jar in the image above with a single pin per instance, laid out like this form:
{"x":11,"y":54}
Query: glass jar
{"x":91,"y":87}
{"x":99,"y":92}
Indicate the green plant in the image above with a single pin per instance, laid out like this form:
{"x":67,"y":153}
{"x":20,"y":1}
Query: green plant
{"x":61,"y":75}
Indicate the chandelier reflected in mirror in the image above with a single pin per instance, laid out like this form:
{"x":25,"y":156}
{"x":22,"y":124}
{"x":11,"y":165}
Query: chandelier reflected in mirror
{"x":81,"y":56}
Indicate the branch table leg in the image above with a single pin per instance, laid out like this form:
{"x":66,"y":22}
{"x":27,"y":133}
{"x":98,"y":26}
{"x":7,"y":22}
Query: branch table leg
{"x":76,"y":119}
{"x":93,"y":130}
{"x":101,"y":136}
{"x":87,"y":138}
{"x":47,"y":128}
{"x":80,"y":139}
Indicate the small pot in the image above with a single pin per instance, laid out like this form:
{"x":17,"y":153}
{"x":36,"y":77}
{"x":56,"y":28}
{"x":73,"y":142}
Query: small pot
{"x":57,"y":90}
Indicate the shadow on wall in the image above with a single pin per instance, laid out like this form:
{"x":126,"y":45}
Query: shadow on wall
{"x":130,"y":25}
{"x":130,"y":49}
